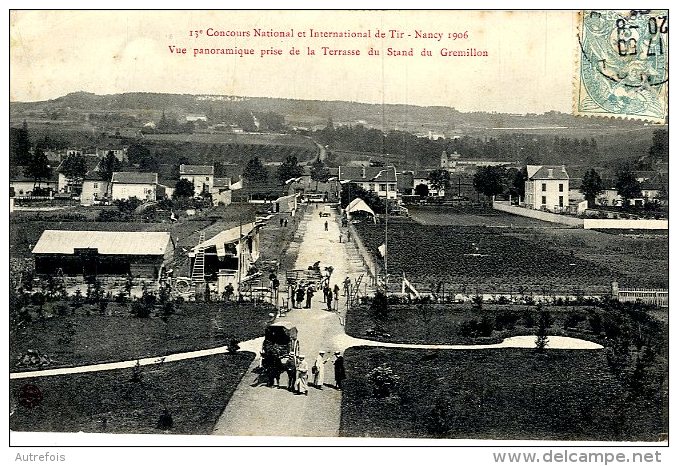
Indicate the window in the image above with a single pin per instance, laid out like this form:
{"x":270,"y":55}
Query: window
{"x":371,"y":186}
{"x":382,"y":187}
{"x":560,"y":201}
{"x":207,"y":178}
{"x":96,"y":185}
{"x":543,"y":187}
{"x":391,"y":187}
{"x":543,"y":200}
{"x":560,"y":187}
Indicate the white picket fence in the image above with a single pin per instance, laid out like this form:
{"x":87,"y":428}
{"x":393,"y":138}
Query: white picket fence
{"x":648,"y":296}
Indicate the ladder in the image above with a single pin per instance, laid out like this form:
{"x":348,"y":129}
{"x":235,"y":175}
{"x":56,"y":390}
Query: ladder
{"x":198,"y":273}
{"x":356,"y":290}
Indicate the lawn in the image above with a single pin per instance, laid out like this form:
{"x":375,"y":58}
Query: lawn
{"x":81,"y":339}
{"x":496,"y":394}
{"x":448,"y":323}
{"x":194,"y":391}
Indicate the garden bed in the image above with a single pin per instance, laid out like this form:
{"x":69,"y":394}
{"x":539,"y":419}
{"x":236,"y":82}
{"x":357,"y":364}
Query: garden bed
{"x":73,"y":340}
{"x":194,"y":391}
{"x":506,"y":394}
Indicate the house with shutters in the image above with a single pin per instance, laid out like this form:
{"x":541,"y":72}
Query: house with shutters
{"x":380,"y":180}
{"x":202,"y":177}
{"x":547,"y":188}
{"x":142,"y":185}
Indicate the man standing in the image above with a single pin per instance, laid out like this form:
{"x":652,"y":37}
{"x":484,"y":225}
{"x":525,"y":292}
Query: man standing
{"x":336,"y":296}
{"x":325,"y":225}
{"x":329,"y":299}
{"x":339,"y":370}
{"x":347,"y":286}
{"x":309,"y":296}
{"x":291,"y":369}
{"x":300,"y":294}
{"x":301,"y":384}
{"x":319,"y":370}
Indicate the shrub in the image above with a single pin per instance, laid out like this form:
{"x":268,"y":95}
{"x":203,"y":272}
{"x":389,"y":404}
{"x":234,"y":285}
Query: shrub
{"x":528,"y":319}
{"x":544,"y":323}
{"x":139,"y":309}
{"x":573,"y":320}
{"x":595,"y":322}
{"x":233,"y":345}
{"x":379,"y":306}
{"x":477,"y":301}
{"x":383,"y":381}
{"x":506,"y":320}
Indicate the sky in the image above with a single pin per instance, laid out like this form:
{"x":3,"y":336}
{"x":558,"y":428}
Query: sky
{"x":529,"y":67}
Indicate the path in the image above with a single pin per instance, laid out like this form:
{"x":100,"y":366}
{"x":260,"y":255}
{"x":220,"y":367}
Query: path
{"x":260,"y":410}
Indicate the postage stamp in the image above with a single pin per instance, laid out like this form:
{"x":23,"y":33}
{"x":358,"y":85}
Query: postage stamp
{"x":622,"y":69}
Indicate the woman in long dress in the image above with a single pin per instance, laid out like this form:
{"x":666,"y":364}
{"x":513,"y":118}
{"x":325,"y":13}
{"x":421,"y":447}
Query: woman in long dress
{"x":319,"y":370}
{"x":302,"y":376}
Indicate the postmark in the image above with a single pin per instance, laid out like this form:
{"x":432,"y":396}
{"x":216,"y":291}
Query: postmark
{"x":622,"y":69}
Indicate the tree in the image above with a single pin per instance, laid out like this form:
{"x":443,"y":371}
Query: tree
{"x":591,"y":186}
{"x":149,"y":163}
{"x":421,"y":190}
{"x":255,"y":170}
{"x":439,"y":179}
{"x":628,"y":187}
{"x":542,"y":329}
{"x":183,"y":189}
{"x":517,"y":180}
{"x":109,"y":164}
{"x":74,"y":168}
{"x":22,"y":146}
{"x":490,"y":181}
{"x":38,"y":167}
{"x":319,"y":172}
{"x":289,"y":169}
{"x":660,"y":145}
{"x":136,"y":152}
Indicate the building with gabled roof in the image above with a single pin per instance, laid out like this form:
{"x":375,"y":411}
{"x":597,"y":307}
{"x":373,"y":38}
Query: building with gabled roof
{"x":141,"y":254}
{"x":380,"y":180}
{"x":202,"y":177}
{"x":142,"y":185}
{"x":547,"y":188}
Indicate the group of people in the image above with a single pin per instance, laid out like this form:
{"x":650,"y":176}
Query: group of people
{"x":272,"y":367}
{"x":301,"y":292}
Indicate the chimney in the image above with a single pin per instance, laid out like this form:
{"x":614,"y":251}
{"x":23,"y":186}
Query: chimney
{"x":363,"y":171}
{"x":550,"y":172}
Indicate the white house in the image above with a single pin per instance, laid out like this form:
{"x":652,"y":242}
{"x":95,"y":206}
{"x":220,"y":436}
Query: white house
{"x":202,"y":177}
{"x":196,"y":117}
{"x":380,"y":180}
{"x":125,"y":185}
{"x":94,"y":188}
{"x":221,"y":191}
{"x":421,"y":177}
{"x":23,"y":185}
{"x":547,"y":187}
{"x":120,"y":153}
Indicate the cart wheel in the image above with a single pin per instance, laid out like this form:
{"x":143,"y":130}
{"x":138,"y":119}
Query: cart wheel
{"x":182,"y":285}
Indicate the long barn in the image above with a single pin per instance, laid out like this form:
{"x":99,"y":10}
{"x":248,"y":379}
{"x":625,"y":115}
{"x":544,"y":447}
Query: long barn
{"x":103,"y":253}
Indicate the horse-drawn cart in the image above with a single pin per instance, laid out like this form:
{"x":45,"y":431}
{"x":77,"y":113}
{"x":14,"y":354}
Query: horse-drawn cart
{"x":281,"y":338}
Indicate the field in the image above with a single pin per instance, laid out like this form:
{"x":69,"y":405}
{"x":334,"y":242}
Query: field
{"x":473,"y":216}
{"x":496,"y":394}
{"x":77,"y":339}
{"x":635,"y":260}
{"x":236,"y":138}
{"x":480,"y":259}
{"x":194,"y":391}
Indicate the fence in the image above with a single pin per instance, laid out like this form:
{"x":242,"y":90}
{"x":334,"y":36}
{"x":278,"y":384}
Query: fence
{"x":373,"y":268}
{"x":658,"y":298}
{"x":639,"y":224}
{"x":538,"y":214}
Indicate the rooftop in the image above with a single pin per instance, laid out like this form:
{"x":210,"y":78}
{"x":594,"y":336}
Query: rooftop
{"x":547,"y":172}
{"x":196,"y":169}
{"x":134,"y":178}
{"x":357,"y":174}
{"x":138,"y":243}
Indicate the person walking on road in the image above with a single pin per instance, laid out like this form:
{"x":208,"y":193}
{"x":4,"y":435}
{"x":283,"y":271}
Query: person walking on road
{"x":347,"y":286}
{"x":300,"y":293}
{"x":309,"y":296}
{"x":291,"y":369}
{"x":336,"y":296}
{"x":318,"y":370}
{"x":282,"y":221}
{"x":339,"y":370}
{"x":326,"y":225}
{"x":301,"y":384}
{"x":329,"y":299}
{"x":285,"y":223}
